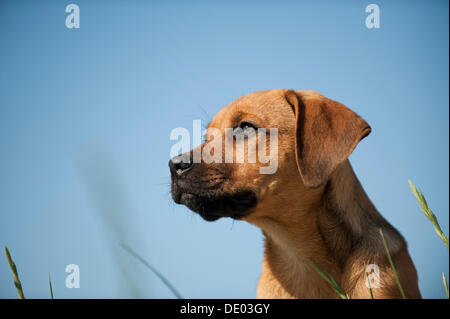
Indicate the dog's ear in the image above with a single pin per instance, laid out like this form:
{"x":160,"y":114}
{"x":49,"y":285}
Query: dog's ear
{"x":327,"y":132}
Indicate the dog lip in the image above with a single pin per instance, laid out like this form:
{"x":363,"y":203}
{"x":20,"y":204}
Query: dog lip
{"x":210,"y":217}
{"x":182,"y":198}
{"x":186,"y":196}
{"x":176,"y":196}
{"x":214,"y":206}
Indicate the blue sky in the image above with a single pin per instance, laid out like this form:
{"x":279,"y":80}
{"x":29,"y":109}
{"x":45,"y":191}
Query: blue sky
{"x":86,"y":115}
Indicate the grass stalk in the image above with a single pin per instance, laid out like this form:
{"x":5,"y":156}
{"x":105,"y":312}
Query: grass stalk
{"x":370,"y":288}
{"x":428,"y":213}
{"x":445,"y":285}
{"x":50,"y":285}
{"x":331,"y":281}
{"x":433,"y":219}
{"x":153,"y":269}
{"x":392,"y":265}
{"x":13,"y":267}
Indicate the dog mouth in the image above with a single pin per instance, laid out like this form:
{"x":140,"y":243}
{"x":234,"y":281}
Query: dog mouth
{"x":212,"y":206}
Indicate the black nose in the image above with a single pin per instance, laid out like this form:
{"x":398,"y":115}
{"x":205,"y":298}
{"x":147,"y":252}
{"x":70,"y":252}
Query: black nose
{"x":180,"y":164}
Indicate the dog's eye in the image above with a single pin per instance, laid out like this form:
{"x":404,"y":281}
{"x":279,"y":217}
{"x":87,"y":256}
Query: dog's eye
{"x":247,"y":129}
{"x":246,"y":126}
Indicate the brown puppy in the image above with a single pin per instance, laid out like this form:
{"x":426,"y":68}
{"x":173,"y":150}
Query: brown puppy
{"x":312,"y":208}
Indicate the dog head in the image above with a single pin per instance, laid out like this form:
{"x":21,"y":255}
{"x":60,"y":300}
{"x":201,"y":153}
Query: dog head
{"x":314,"y":136}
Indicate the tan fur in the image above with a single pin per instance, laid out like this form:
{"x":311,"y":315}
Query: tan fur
{"x":313,"y":207}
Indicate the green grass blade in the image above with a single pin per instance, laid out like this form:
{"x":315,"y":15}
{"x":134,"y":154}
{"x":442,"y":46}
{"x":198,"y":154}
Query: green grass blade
{"x":392,"y":265}
{"x":428,"y":213}
{"x":50,"y":284}
{"x":445,"y":285}
{"x":154,"y":270}
{"x":17,"y":282}
{"x":331,"y":281}
{"x":370,"y":288}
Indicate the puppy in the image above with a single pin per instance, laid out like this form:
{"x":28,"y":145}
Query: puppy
{"x":311,"y":209}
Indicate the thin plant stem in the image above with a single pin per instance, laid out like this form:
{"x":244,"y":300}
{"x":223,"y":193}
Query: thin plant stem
{"x":370,"y":288}
{"x":392,"y":265}
{"x":50,"y":285}
{"x":331,"y":281}
{"x":13,"y":267}
{"x":153,"y":269}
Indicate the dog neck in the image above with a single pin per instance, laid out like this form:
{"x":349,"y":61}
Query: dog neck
{"x":322,"y":226}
